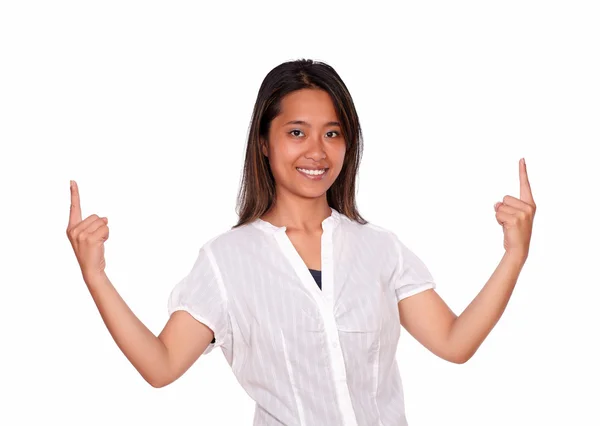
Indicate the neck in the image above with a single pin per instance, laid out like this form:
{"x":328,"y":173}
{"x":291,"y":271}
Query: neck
{"x":301,"y":214}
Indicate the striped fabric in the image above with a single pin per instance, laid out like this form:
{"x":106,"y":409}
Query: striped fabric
{"x":308,"y":356}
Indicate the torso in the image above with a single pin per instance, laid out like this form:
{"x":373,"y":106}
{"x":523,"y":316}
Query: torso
{"x":306,"y":353}
{"x":308,"y":247}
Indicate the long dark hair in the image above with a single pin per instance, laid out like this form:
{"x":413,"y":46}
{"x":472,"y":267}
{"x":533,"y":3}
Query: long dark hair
{"x":257,"y":188}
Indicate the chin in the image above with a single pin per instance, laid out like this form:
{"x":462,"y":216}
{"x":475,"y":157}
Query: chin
{"x":313,"y":194}
{"x":301,"y":187}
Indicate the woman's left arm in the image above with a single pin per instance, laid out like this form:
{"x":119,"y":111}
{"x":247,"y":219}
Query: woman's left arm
{"x":456,"y":338}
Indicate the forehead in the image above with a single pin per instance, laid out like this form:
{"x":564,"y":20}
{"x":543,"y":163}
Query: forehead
{"x":313,"y":105}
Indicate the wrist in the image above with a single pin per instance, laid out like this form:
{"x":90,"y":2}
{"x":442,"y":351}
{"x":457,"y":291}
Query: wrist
{"x":93,"y":278}
{"x":517,"y":257}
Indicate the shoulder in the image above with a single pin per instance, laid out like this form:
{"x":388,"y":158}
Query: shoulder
{"x":372,"y":233}
{"x":233,"y":239}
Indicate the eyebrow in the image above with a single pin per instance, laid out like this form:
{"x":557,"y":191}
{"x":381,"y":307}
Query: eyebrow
{"x":329,"y":123}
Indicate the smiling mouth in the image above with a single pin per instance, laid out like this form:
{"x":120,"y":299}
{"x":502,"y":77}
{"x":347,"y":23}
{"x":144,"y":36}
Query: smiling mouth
{"x":313,"y":174}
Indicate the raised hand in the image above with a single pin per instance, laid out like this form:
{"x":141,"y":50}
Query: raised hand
{"x":516,"y":217}
{"x":87,"y":237}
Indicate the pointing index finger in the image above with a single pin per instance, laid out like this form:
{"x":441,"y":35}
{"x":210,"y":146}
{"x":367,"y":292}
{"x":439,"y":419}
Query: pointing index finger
{"x":524,"y":183}
{"x":75,"y":214}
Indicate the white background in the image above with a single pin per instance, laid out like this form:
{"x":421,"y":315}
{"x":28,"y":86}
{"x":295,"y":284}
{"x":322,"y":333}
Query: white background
{"x":147,"y":106}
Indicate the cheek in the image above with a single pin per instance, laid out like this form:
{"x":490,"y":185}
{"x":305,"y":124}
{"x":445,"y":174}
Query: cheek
{"x":281,"y":159}
{"x":284,"y":155}
{"x":337,"y":155}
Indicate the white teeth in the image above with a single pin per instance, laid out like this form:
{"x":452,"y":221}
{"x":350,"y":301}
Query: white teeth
{"x":312,"y":172}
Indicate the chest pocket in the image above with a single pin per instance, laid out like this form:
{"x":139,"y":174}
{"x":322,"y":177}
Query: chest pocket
{"x":363,"y":308}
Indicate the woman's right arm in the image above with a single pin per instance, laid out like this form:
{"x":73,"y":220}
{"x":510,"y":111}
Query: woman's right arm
{"x":160,"y":360}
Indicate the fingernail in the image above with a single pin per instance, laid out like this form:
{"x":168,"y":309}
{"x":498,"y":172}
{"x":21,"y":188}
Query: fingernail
{"x":71,"y":183}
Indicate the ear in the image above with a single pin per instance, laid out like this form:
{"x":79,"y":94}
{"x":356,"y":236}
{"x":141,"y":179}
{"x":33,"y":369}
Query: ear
{"x":264,"y":148}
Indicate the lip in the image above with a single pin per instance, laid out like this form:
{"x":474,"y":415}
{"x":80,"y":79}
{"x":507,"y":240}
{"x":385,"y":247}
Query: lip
{"x":313,"y":167}
{"x":313,"y":177}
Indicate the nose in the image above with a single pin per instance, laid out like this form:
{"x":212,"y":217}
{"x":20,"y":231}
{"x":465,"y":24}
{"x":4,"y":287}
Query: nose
{"x":316,"y":149}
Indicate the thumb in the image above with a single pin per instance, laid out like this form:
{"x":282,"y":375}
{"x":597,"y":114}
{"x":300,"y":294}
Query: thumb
{"x":105,"y":219}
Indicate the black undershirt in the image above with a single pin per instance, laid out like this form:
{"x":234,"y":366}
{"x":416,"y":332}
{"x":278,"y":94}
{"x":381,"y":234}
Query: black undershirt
{"x":315,"y":274}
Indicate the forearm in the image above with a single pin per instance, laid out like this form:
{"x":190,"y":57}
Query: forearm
{"x":479,"y":318}
{"x":143,"y":349}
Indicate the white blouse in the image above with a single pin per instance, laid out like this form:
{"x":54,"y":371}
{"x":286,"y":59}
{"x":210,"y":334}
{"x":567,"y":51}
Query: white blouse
{"x":308,"y":356}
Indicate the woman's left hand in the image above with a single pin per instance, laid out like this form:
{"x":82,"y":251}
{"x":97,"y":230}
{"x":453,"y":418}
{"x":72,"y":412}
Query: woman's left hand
{"x":516,"y":217}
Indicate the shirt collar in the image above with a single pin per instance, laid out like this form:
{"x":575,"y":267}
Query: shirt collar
{"x":329,"y":222}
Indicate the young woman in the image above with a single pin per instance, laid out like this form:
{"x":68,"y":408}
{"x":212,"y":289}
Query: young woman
{"x":303,"y":296}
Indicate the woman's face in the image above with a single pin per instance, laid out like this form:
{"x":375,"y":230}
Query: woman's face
{"x":306,"y":149}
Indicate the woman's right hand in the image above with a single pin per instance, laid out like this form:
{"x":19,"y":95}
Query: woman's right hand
{"x":87,"y":237}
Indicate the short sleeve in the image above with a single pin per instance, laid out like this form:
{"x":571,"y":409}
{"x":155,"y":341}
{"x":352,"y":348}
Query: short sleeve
{"x":202,"y":294}
{"x":410,"y":276}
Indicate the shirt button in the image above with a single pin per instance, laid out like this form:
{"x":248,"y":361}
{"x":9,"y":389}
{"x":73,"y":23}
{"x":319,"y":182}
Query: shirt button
{"x":335,"y":345}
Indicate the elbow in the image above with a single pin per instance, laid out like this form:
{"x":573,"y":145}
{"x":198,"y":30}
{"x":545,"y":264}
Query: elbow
{"x":459,"y":352}
{"x":158,"y":375}
{"x":157,"y":385}
{"x":460,"y":357}
{"x":158,"y":381}
{"x":459,"y":360}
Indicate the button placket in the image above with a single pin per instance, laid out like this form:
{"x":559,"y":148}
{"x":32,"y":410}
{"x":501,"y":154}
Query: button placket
{"x":337,"y":357}
{"x":324,"y":300}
